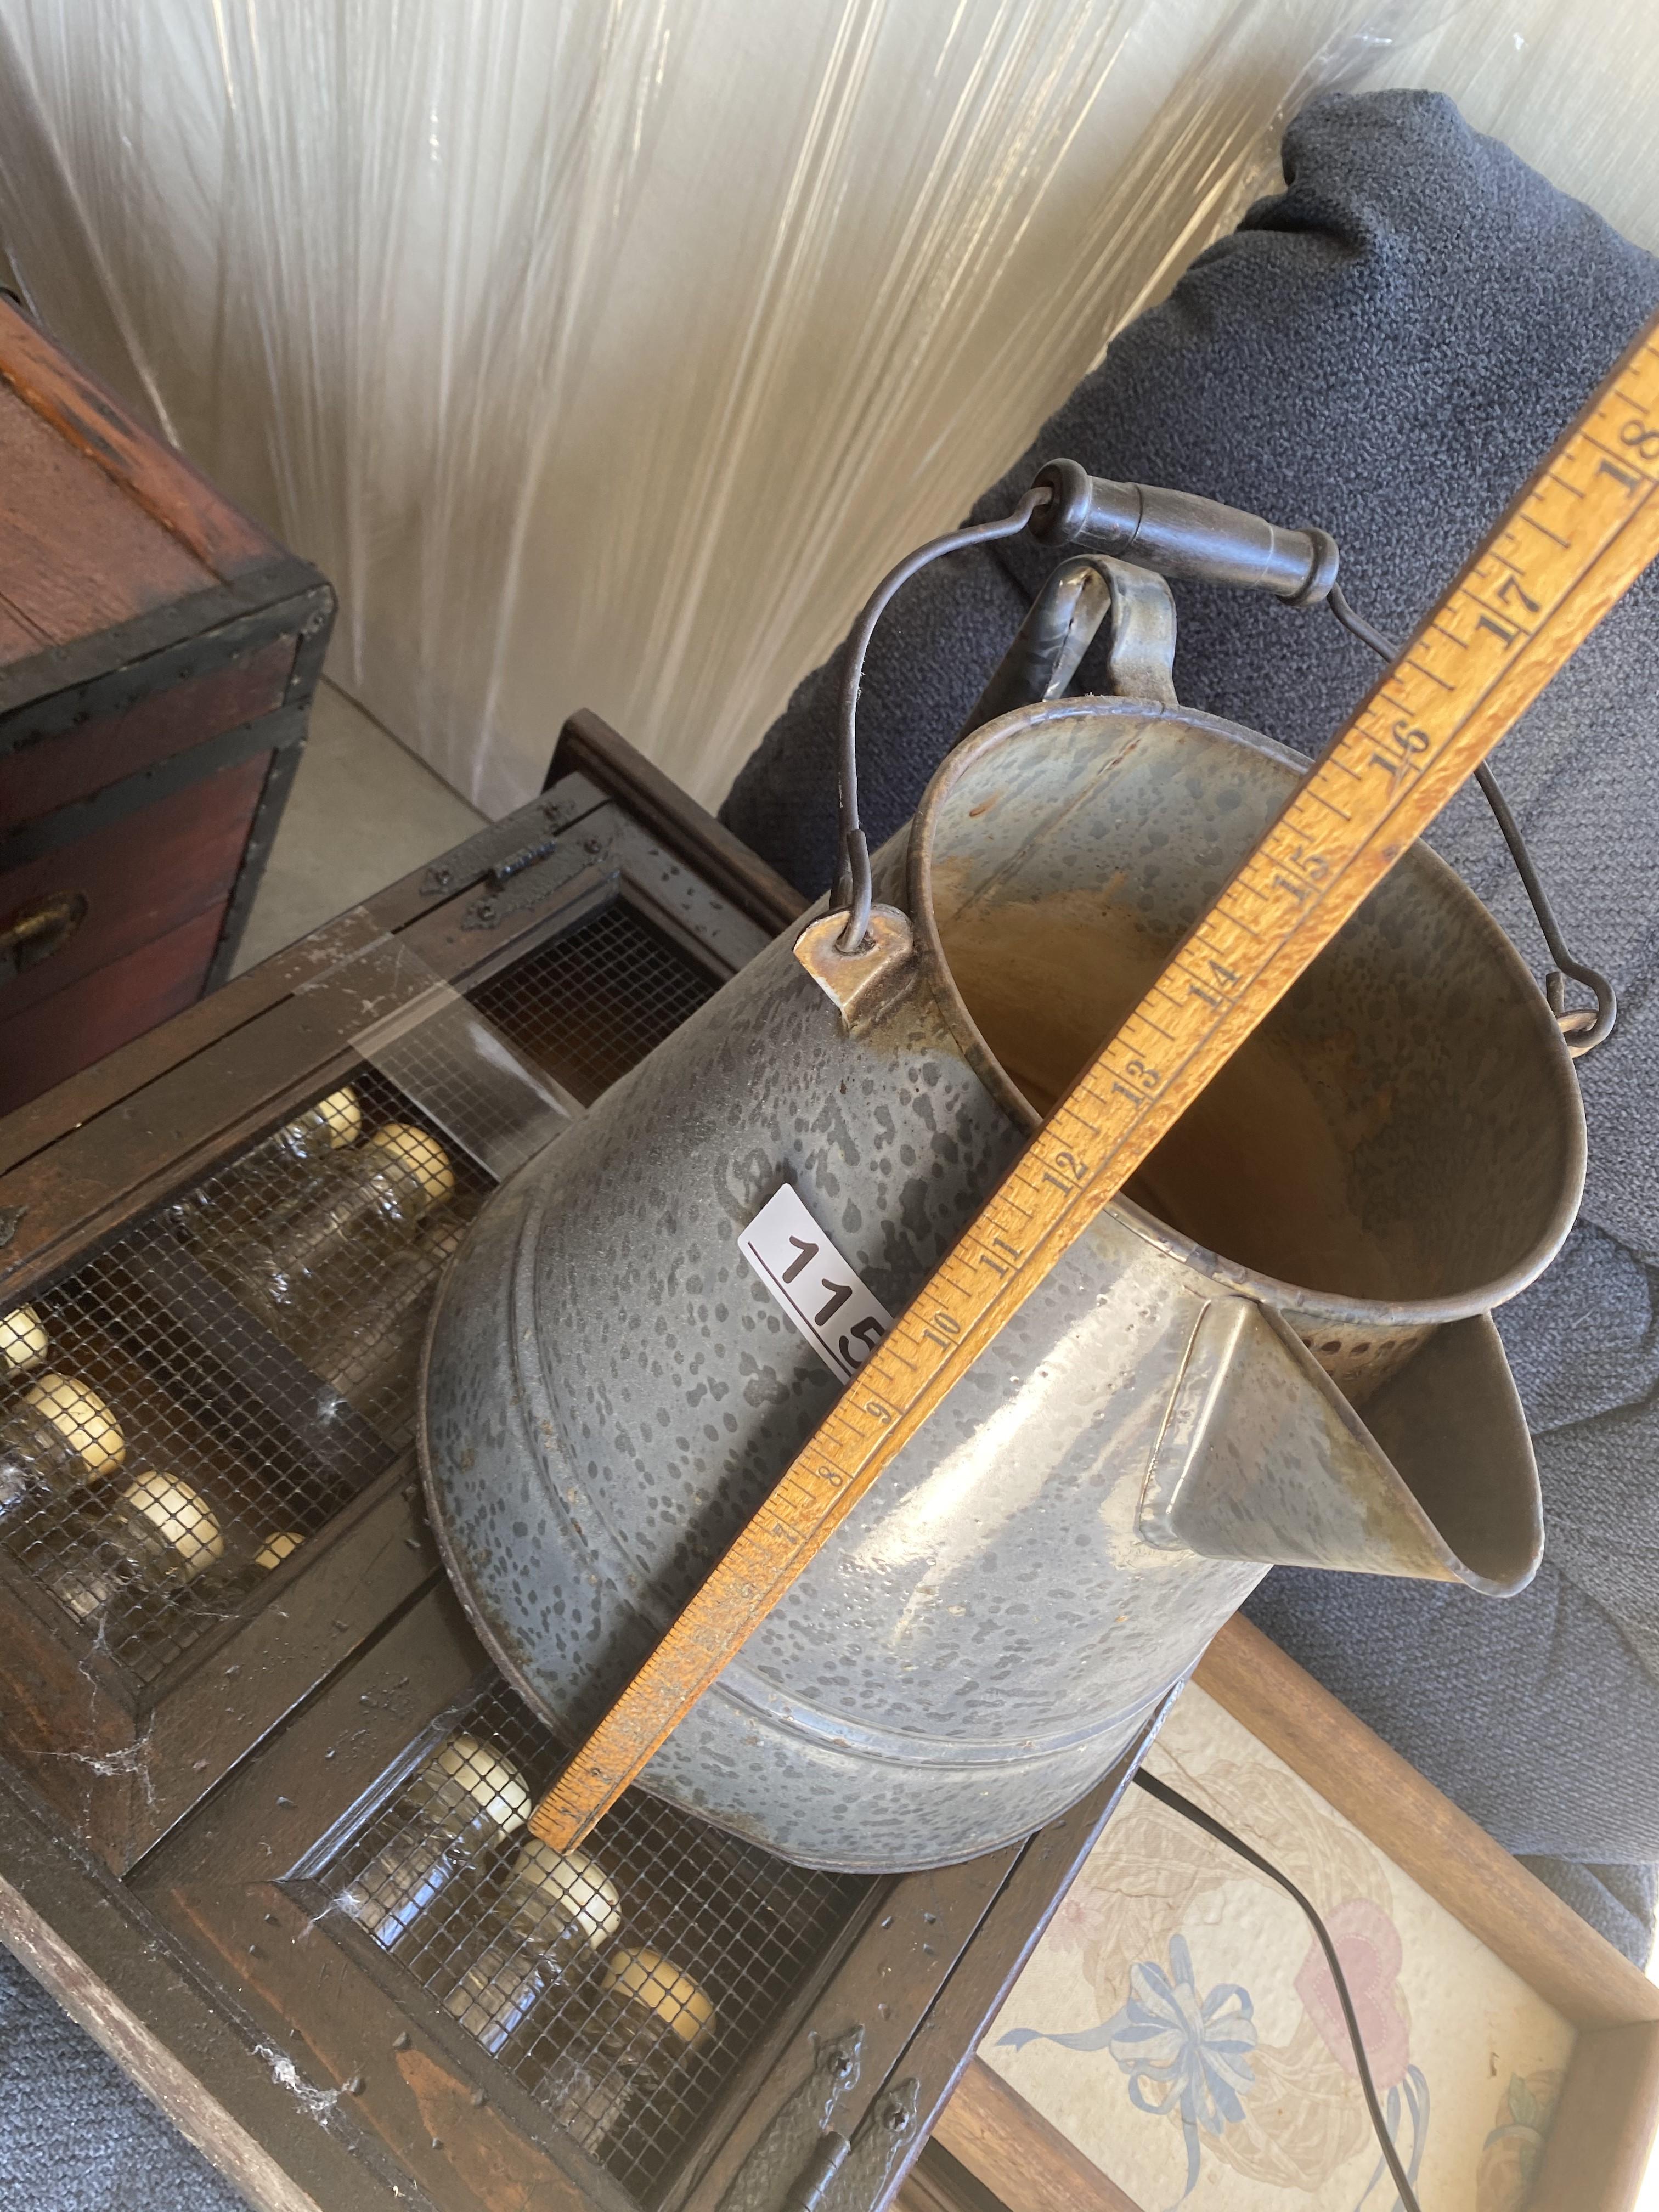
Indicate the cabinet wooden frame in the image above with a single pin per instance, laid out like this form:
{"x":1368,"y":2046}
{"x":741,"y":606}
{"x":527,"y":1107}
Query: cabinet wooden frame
{"x":919,"y":1967}
{"x":111,"y":1754}
{"x":140,"y":1830}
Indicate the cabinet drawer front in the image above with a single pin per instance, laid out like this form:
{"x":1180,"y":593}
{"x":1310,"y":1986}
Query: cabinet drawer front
{"x":141,"y":877}
{"x":68,"y":1031}
{"x":44,"y":772}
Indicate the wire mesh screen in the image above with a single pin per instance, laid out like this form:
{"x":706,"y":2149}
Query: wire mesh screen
{"x":593,"y":1002}
{"x":179,"y":1415}
{"x":621,"y":1985}
{"x":189,"y":1408}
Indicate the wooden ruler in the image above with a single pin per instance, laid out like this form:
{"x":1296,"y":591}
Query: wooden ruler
{"x":1579,"y":535}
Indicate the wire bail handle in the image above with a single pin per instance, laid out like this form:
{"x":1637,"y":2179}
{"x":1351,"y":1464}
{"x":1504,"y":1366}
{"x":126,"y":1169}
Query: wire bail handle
{"x":1175,"y":533}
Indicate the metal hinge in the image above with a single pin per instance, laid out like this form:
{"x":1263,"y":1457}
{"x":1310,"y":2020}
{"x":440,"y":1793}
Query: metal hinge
{"x":803,"y":2164}
{"x":855,"y":2176}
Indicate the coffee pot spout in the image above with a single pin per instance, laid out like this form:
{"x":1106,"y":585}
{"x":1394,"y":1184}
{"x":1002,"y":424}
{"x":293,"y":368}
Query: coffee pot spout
{"x":1262,"y":1458}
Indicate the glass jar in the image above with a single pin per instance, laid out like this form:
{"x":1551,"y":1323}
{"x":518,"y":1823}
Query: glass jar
{"x":369,"y":1358}
{"x":233,"y":1580}
{"x":57,"y":1436}
{"x":158,"y":1535}
{"x":650,"y":2016}
{"x":548,"y":1930}
{"x":274,"y":1173}
{"x":23,"y":1343}
{"x":464,"y":1799}
{"x":370,"y":1201}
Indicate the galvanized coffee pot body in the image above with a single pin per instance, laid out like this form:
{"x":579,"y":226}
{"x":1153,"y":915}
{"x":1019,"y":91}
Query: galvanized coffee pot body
{"x":1277,"y":1347}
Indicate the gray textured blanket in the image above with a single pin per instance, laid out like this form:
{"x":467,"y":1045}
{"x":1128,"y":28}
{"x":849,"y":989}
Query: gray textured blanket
{"x":1386,"y":349}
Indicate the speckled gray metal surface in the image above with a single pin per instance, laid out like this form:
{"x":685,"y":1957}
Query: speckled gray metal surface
{"x":610,"y":1391}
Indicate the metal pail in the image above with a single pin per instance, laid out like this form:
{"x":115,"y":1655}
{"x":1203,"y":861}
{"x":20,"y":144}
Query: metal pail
{"x":610,"y":1391}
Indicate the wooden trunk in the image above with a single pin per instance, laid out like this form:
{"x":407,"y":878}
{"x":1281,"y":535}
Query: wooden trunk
{"x":158,"y":654}
{"x":198,"y":1787}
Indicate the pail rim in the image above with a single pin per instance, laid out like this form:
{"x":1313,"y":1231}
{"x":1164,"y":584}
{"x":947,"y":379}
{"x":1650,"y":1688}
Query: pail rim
{"x":1217,"y":1269}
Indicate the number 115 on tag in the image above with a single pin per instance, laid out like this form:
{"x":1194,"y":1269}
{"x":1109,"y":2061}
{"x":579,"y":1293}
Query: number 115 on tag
{"x":799,"y":1264}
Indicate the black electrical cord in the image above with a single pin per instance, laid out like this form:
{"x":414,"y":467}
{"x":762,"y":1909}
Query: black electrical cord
{"x":1607,"y":1003}
{"x":1200,"y":1819}
{"x":852,"y":890}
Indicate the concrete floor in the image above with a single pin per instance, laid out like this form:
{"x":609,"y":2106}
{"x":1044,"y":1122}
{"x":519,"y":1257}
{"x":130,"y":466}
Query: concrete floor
{"x":363,"y":811}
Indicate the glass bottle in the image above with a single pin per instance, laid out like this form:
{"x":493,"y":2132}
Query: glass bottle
{"x":235,"y":1579}
{"x":548,"y":1927}
{"x":158,"y":1535}
{"x":370,"y":1201}
{"x":23,"y":1342}
{"x":649,"y":2017}
{"x":465,"y":1798}
{"x":56,"y":1435}
{"x":368,"y":1360}
{"x":275,"y":1172}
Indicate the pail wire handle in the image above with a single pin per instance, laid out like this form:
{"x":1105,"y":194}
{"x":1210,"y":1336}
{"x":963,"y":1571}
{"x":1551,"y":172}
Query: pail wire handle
{"x":1581,"y":1031}
{"x":853,"y":889}
{"x":1174,"y":534}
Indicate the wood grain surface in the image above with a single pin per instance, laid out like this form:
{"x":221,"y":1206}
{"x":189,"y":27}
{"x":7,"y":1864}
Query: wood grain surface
{"x":1017,"y":2154}
{"x":1598,"y":2150}
{"x":92,"y":424}
{"x":77,"y":553}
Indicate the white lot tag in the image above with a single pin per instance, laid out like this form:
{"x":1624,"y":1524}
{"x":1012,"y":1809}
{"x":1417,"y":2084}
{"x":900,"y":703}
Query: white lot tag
{"x":814,"y":1286}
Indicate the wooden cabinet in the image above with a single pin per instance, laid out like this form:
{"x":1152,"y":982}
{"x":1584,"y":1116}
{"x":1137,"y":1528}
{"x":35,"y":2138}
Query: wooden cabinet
{"x":212,"y":1782}
{"x":158,"y":654}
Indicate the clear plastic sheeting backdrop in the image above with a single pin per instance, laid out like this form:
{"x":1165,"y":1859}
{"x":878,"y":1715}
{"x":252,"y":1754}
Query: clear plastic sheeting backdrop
{"x":603,"y":351}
